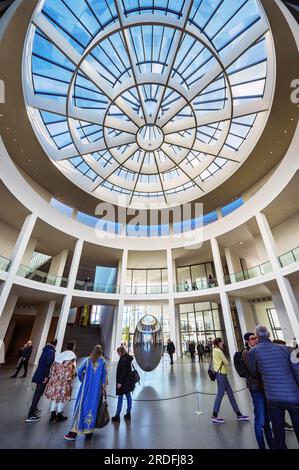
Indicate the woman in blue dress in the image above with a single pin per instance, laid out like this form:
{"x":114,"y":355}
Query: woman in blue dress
{"x":92,"y":375}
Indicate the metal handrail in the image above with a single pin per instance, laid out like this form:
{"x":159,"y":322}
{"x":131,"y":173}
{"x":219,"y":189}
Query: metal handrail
{"x":96,"y":287}
{"x":250,"y":273}
{"x":4,"y":263}
{"x":291,"y":256}
{"x":198,"y":285}
{"x":40,"y":276}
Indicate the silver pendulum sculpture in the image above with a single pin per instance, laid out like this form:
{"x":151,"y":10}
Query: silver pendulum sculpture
{"x":148,"y":343}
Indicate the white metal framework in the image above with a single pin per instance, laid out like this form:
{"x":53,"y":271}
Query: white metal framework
{"x":157,"y":101}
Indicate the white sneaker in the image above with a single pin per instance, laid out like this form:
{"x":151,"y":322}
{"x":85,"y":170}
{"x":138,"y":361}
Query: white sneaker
{"x":32,"y":419}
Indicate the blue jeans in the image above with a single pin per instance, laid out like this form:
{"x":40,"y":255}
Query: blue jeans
{"x":224,"y":386}
{"x":120,"y":403}
{"x":277,"y":411}
{"x":261,"y":420}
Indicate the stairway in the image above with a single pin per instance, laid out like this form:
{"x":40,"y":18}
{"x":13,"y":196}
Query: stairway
{"x":86,"y":338}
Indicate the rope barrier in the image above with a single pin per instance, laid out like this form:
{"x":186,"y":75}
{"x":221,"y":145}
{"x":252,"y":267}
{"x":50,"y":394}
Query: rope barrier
{"x":171,"y":398}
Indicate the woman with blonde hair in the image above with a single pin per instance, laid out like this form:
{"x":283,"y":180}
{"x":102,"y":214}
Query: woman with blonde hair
{"x":220,"y":365}
{"x":92,"y":375}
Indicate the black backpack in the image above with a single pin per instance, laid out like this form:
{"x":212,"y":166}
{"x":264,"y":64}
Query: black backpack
{"x":239,"y":364}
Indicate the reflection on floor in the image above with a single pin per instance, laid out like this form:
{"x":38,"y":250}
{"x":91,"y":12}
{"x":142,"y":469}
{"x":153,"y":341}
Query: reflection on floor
{"x":160,"y":423}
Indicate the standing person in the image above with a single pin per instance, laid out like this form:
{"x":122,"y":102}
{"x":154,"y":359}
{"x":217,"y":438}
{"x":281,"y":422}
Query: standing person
{"x":40,"y":378}
{"x":186,"y":286}
{"x":60,"y":385}
{"x":200,"y":352}
{"x":92,"y":375}
{"x":192,"y":351}
{"x":220,"y":365}
{"x":124,"y":383}
{"x":211,"y":281}
{"x":25,"y":354}
{"x":256,"y":389}
{"x":281,"y":383}
{"x":170,"y":350}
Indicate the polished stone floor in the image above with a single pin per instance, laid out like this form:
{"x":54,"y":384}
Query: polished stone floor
{"x":159,"y":419}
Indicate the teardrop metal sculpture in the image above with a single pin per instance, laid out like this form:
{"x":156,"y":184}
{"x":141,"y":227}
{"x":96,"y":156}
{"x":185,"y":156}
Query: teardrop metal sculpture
{"x":148,"y":343}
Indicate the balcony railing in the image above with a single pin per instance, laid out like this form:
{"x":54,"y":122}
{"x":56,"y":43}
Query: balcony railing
{"x":4,"y":263}
{"x":194,"y":286}
{"x":39,"y":276}
{"x":250,"y":273}
{"x":289,"y":257}
{"x":143,"y":289}
{"x":95,"y":287}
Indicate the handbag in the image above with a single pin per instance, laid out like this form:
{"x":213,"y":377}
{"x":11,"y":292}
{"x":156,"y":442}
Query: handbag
{"x":212,"y":373}
{"x":103,"y":417}
{"x":135,"y":375}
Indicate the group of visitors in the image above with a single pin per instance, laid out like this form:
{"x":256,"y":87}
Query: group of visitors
{"x":272,"y":377}
{"x":188,"y":286}
{"x":271,"y":370}
{"x":54,"y":378}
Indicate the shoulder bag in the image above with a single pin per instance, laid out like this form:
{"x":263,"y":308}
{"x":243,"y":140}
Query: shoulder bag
{"x":103,"y":417}
{"x":212,"y":373}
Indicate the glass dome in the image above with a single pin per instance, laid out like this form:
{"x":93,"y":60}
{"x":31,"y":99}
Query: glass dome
{"x":148,"y":103}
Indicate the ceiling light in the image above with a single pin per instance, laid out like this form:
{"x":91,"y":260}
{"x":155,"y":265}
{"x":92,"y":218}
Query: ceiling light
{"x":241,"y":243}
{"x":7,"y":128}
{"x":14,"y":140}
{"x":29,"y":159}
{"x":22,"y":150}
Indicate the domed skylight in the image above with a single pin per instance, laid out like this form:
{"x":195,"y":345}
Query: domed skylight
{"x":155,"y":101}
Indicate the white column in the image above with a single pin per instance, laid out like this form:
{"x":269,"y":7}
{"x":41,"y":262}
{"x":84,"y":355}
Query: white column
{"x":217,"y":262}
{"x":178,"y":330}
{"x":16,"y":258}
{"x":41,"y":328}
{"x":57,"y":265}
{"x":120,"y":310}
{"x":226,"y":311}
{"x":66,"y":304}
{"x":233,"y":262}
{"x":29,"y":251}
{"x":4,"y":322}
{"x":228,"y":323}
{"x":174,"y":334}
{"x":284,"y":285}
{"x":244,"y":315}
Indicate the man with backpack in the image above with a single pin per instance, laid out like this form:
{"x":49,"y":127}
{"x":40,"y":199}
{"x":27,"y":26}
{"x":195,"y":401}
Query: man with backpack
{"x":255,"y":385}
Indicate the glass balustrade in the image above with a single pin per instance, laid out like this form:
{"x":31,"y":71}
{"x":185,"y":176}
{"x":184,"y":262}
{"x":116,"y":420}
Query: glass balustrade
{"x":290,"y":257}
{"x":194,"y":286}
{"x":250,"y":273}
{"x":39,"y":276}
{"x":146,"y":289}
{"x":4,"y":263}
{"x":96,"y":287}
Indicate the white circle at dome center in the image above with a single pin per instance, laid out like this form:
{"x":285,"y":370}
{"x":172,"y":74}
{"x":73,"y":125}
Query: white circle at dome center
{"x":150,"y":137}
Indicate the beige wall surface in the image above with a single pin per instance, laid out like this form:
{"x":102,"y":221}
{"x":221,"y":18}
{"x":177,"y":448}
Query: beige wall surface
{"x":8,"y":238}
{"x":287,"y":234}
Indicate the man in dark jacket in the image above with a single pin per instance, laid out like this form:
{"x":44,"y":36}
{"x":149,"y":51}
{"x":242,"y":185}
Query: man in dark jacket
{"x":192,"y":351}
{"x":200,"y":351}
{"x":124,"y":383}
{"x":170,"y":350}
{"x":25,"y":354}
{"x":256,"y":389}
{"x":280,"y":376}
{"x":40,"y":378}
